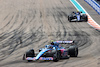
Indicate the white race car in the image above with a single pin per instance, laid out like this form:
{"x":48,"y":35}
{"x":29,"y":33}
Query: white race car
{"x":77,"y":16}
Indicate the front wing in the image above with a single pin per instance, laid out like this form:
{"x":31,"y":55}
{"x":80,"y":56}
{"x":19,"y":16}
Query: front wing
{"x":41,"y":58}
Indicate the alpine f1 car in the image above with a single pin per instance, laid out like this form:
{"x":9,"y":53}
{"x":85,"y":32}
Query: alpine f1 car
{"x":77,"y":16}
{"x":52,"y":52}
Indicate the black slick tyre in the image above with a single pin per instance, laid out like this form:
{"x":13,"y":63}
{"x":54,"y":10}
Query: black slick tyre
{"x":73,"y":51}
{"x":56,"y":56}
{"x":29,"y":53}
{"x":69,"y":19}
{"x":86,"y":19}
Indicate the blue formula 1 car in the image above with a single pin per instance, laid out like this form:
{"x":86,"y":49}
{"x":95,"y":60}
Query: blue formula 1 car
{"x":52,"y":52}
{"x":77,"y":16}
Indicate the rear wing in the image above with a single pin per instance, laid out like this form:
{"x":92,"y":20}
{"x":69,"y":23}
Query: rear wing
{"x":64,"y":42}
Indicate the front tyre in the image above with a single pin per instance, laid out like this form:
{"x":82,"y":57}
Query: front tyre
{"x":56,"y":56}
{"x":29,"y":53}
{"x":69,"y":18}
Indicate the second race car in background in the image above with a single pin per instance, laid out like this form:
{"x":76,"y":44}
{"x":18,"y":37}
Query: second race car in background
{"x":77,"y":16}
{"x":52,"y":52}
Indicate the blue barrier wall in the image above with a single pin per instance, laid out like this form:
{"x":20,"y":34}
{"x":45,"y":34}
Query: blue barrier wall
{"x":94,"y":5}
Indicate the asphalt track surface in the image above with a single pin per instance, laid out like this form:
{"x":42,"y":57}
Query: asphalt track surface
{"x":26,"y":24}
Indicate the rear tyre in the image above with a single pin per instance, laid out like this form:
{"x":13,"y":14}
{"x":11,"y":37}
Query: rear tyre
{"x":73,"y":51}
{"x":86,"y":19}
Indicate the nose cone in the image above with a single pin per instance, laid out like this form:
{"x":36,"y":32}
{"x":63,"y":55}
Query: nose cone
{"x":41,"y":53}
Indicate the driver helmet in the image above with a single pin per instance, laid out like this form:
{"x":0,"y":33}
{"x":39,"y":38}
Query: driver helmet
{"x":77,"y":11}
{"x":52,"y":42}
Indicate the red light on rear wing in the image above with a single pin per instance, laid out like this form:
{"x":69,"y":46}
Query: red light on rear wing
{"x":64,"y":42}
